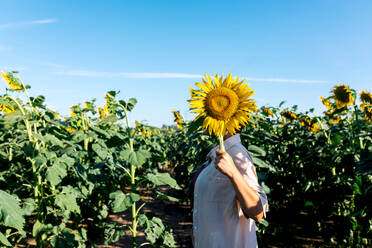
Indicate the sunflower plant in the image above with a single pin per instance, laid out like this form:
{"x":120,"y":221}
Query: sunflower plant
{"x":223,"y":104}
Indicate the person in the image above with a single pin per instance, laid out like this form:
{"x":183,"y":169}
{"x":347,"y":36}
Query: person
{"x":227,"y":199}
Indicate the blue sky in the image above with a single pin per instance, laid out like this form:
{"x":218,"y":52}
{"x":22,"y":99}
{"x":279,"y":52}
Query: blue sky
{"x":72,"y":51}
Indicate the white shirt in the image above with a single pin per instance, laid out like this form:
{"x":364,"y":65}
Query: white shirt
{"x":218,"y":220}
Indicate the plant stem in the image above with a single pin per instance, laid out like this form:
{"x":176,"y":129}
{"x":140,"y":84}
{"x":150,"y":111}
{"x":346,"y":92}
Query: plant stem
{"x":220,"y":139}
{"x":132,"y":182}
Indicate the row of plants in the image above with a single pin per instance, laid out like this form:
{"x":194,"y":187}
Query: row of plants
{"x":315,"y":165}
{"x":60,"y":179}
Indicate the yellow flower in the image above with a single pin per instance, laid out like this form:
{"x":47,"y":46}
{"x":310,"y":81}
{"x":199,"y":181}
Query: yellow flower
{"x":132,"y":132}
{"x":342,"y":95}
{"x":12,"y":81}
{"x":326,"y":103}
{"x":57,"y":116}
{"x":155,"y":132}
{"x":86,"y":105}
{"x":177,"y":117}
{"x":288,"y":115}
{"x":368,"y":113}
{"x":224,"y":104}
{"x":6,"y":109}
{"x":365,"y":97}
{"x":267,"y":111}
{"x":334,"y":120}
{"x":72,"y":110}
{"x":311,"y":126}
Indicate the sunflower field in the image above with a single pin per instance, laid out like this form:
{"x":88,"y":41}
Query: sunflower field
{"x":63,"y":179}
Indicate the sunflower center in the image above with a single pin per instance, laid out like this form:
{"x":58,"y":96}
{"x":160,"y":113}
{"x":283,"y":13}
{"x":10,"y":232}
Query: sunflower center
{"x":342,"y":95}
{"x":222,"y":103}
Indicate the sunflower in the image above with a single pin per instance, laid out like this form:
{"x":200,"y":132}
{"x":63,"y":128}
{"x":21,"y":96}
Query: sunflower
{"x":368,"y":113}
{"x":13,"y":82}
{"x":224,"y":104}
{"x":178,"y":119}
{"x":311,"y":126}
{"x":103,"y":113}
{"x":326,"y":103}
{"x":288,"y":115}
{"x":267,"y":111}
{"x":342,"y":95}
{"x":6,"y":109}
{"x":365,"y":97}
{"x":334,"y":120}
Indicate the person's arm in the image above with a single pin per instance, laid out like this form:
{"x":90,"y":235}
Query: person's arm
{"x":248,"y":198}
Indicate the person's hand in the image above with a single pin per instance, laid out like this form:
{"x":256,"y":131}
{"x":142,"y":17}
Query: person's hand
{"x":224,"y":163}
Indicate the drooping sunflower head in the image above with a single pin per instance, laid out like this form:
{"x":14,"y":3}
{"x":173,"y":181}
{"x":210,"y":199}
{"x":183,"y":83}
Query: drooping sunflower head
{"x":73,"y":110}
{"x":267,"y":111}
{"x":368,"y":113}
{"x":311,"y":126}
{"x":177,"y":117}
{"x":326,"y":103}
{"x":334,"y":120}
{"x":12,"y":81}
{"x":224,"y":104}
{"x":342,"y":95}
{"x":288,"y":115}
{"x":6,"y":108}
{"x":365,"y":97}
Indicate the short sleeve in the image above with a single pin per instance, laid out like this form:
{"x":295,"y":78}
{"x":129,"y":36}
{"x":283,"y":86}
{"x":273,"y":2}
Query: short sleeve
{"x":243,"y":161}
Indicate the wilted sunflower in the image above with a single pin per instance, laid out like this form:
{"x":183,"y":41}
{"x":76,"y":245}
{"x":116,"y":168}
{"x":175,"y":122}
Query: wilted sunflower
{"x":224,"y":104}
{"x":365,"y":97}
{"x":288,"y":115}
{"x":342,"y":95}
{"x":267,"y":111}
{"x":13,"y":82}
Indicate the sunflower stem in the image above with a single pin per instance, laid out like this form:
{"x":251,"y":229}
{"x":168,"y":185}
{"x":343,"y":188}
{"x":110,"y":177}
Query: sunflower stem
{"x":220,"y":139}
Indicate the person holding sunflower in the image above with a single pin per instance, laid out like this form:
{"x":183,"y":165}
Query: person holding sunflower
{"x":227,"y":196}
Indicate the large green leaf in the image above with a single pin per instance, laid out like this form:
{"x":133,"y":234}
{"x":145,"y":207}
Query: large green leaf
{"x":137,"y":158}
{"x":256,"y":150}
{"x":4,"y":240}
{"x":120,"y":201}
{"x":101,"y":152}
{"x":261,"y":164}
{"x":56,"y":173}
{"x":159,"y":179}
{"x":11,"y":212}
{"x":66,"y":200}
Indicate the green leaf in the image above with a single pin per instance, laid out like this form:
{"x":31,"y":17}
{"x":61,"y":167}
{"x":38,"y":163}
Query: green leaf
{"x":66,"y":200}
{"x":56,"y":173}
{"x":53,"y":140}
{"x":256,"y":150}
{"x":11,"y":212}
{"x":261,"y":164}
{"x":167,"y":197}
{"x":137,"y":158}
{"x":120,"y":201}
{"x":4,"y":240}
{"x":159,"y":179}
{"x":101,"y":152}
{"x":28,"y":206}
